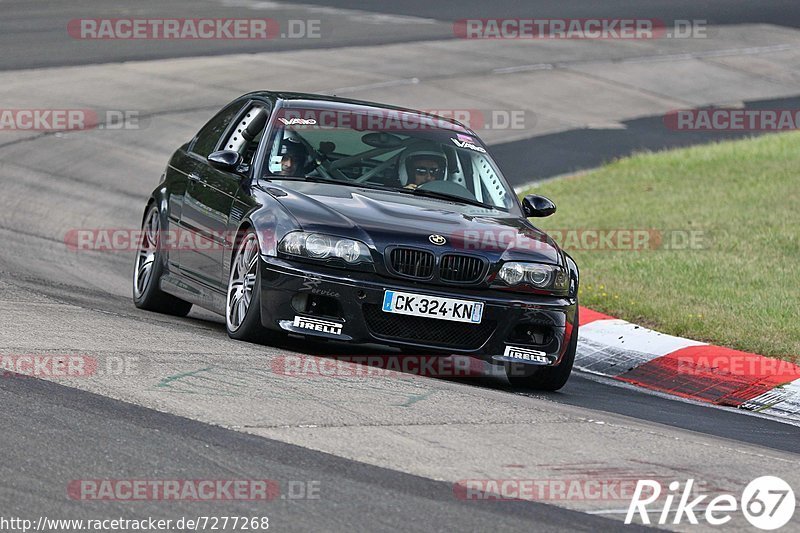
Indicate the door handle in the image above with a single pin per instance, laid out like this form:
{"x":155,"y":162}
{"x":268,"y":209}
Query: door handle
{"x":194,"y":177}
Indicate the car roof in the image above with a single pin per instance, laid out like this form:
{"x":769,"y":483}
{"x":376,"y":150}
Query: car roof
{"x":345,"y":103}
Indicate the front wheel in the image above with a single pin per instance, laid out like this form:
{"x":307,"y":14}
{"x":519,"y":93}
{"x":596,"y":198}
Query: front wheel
{"x":243,"y":302}
{"x":147,"y":270}
{"x":546,"y":378}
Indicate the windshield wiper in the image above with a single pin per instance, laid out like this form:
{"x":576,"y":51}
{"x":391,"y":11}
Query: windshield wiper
{"x":418,"y":192}
{"x":320,"y":179}
{"x":445,"y":196}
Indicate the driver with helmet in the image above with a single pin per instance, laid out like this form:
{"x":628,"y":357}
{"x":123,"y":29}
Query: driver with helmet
{"x":421,"y":163}
{"x":293,"y":157}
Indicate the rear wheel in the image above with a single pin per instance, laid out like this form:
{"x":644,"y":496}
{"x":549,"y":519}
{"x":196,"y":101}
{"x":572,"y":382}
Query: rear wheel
{"x":547,"y":378}
{"x":147,"y":270}
{"x":243,"y":302}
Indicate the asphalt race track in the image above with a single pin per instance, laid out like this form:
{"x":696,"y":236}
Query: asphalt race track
{"x":356,"y":495}
{"x":384,"y":452}
{"x":32,"y":34}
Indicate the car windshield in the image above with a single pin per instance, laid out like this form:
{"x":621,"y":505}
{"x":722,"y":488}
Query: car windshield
{"x":408,"y":152}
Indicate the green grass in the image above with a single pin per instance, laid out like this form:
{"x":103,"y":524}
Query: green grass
{"x":741,"y":289}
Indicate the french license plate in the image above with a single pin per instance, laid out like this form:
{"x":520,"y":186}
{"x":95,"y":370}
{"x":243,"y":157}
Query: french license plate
{"x":405,"y":303}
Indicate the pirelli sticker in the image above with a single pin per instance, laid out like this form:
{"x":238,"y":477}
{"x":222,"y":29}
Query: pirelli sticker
{"x":315,"y":324}
{"x":526,"y":354}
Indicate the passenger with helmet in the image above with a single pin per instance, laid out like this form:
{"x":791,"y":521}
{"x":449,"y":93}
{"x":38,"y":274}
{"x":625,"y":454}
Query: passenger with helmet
{"x":421,"y":163}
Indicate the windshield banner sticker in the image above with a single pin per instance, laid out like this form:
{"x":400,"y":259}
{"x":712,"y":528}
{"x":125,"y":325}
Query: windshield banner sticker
{"x":468,"y":144}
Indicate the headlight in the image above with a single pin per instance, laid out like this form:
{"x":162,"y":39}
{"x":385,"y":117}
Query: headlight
{"x":319,"y":246}
{"x":348,"y":250}
{"x":512,"y":273}
{"x":293,"y":243}
{"x":535,"y":275}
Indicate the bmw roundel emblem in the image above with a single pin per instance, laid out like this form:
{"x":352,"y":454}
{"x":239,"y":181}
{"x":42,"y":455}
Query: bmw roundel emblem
{"x":438,"y":240}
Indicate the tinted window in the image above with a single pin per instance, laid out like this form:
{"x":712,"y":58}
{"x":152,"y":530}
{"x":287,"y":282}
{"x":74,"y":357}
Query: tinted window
{"x":247,"y":133}
{"x":393,"y":149}
{"x":208,"y":137}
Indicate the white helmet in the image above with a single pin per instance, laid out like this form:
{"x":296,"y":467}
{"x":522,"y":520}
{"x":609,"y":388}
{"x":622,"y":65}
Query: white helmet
{"x":419,"y":150}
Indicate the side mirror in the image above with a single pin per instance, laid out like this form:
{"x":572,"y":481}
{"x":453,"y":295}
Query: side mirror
{"x":227,"y":160}
{"x":538,"y":206}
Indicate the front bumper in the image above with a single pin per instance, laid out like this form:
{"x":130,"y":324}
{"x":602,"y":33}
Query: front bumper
{"x":327,"y":303}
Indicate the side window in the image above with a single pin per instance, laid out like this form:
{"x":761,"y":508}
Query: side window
{"x":247,"y":132}
{"x":208,"y":136}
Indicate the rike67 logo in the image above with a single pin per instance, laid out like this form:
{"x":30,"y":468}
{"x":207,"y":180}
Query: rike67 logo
{"x":768,"y":503}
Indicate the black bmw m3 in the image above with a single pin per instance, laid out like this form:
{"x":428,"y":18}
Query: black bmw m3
{"x":361,"y":223}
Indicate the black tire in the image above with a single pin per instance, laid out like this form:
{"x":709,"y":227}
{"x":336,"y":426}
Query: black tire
{"x":146,"y":291}
{"x":545,"y":378}
{"x":250,"y":328}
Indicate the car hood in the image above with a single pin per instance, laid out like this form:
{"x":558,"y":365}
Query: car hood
{"x":386,"y":218}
